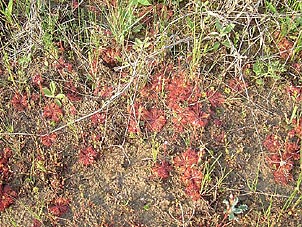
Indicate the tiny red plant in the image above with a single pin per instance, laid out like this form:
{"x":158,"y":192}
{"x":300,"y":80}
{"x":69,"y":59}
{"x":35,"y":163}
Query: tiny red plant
{"x":216,"y":99}
{"x":272,"y":143}
{"x":19,"y":102}
{"x":98,"y":118}
{"x":285,"y":47}
{"x":133,"y":126}
{"x":293,"y":150}
{"x":4,"y":168}
{"x":59,"y":207}
{"x":37,"y":81}
{"x":62,"y":64}
{"x":162,"y":169}
{"x":297,"y":127}
{"x":53,"y":111}
{"x":7,"y":196}
{"x":155,"y":119}
{"x":193,"y":191}
{"x":36,"y":223}
{"x":237,"y":85}
{"x":103,"y":92}
{"x":187,"y":159}
{"x":48,"y":140}
{"x":191,"y":175}
{"x":88,"y":156}
{"x":72,"y":92}
{"x":281,"y":158}
{"x":283,"y":176}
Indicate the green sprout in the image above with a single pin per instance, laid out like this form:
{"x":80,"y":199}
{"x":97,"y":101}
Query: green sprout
{"x":232,"y":208}
{"x":51,"y":93}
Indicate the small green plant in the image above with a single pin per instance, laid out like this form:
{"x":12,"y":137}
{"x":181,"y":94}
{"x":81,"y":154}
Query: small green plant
{"x":264,"y":70}
{"x":7,"y":11}
{"x":232,"y":208}
{"x":51,"y":93}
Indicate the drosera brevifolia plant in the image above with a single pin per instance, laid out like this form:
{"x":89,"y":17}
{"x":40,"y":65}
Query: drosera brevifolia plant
{"x":232,"y":209}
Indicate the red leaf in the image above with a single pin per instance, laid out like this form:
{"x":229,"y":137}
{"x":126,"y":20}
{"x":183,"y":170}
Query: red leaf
{"x":7,"y":196}
{"x":88,"y":156}
{"x":293,"y":150}
{"x":285,"y":47}
{"x":37,"y":80}
{"x":187,"y":159}
{"x":36,"y":223}
{"x":283,"y":176}
{"x":19,"y":102}
{"x":53,"y":111}
{"x":162,"y":170}
{"x":72,"y":92}
{"x":155,"y":119}
{"x":133,"y":126}
{"x":48,"y":140}
{"x":193,"y":191}
{"x":4,"y":168}
{"x":272,"y":143}
{"x":59,"y":207}
{"x":237,"y":85}
{"x":192,"y":175}
{"x":98,"y":118}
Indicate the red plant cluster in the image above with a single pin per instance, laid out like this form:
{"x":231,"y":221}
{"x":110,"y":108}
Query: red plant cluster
{"x":19,"y":102}
{"x":162,"y":169}
{"x":48,"y":140}
{"x":59,"y":207}
{"x":182,"y":98}
{"x":7,"y":196}
{"x":272,"y":143}
{"x":187,"y":164}
{"x":88,"y":156}
{"x":281,"y":158}
{"x":103,"y":92}
{"x":179,"y":92}
{"x":53,"y":111}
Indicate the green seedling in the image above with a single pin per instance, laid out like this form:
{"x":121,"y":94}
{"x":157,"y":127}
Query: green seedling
{"x":232,"y":208}
{"x":7,"y":11}
{"x":264,"y":70}
{"x":51,"y":93}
